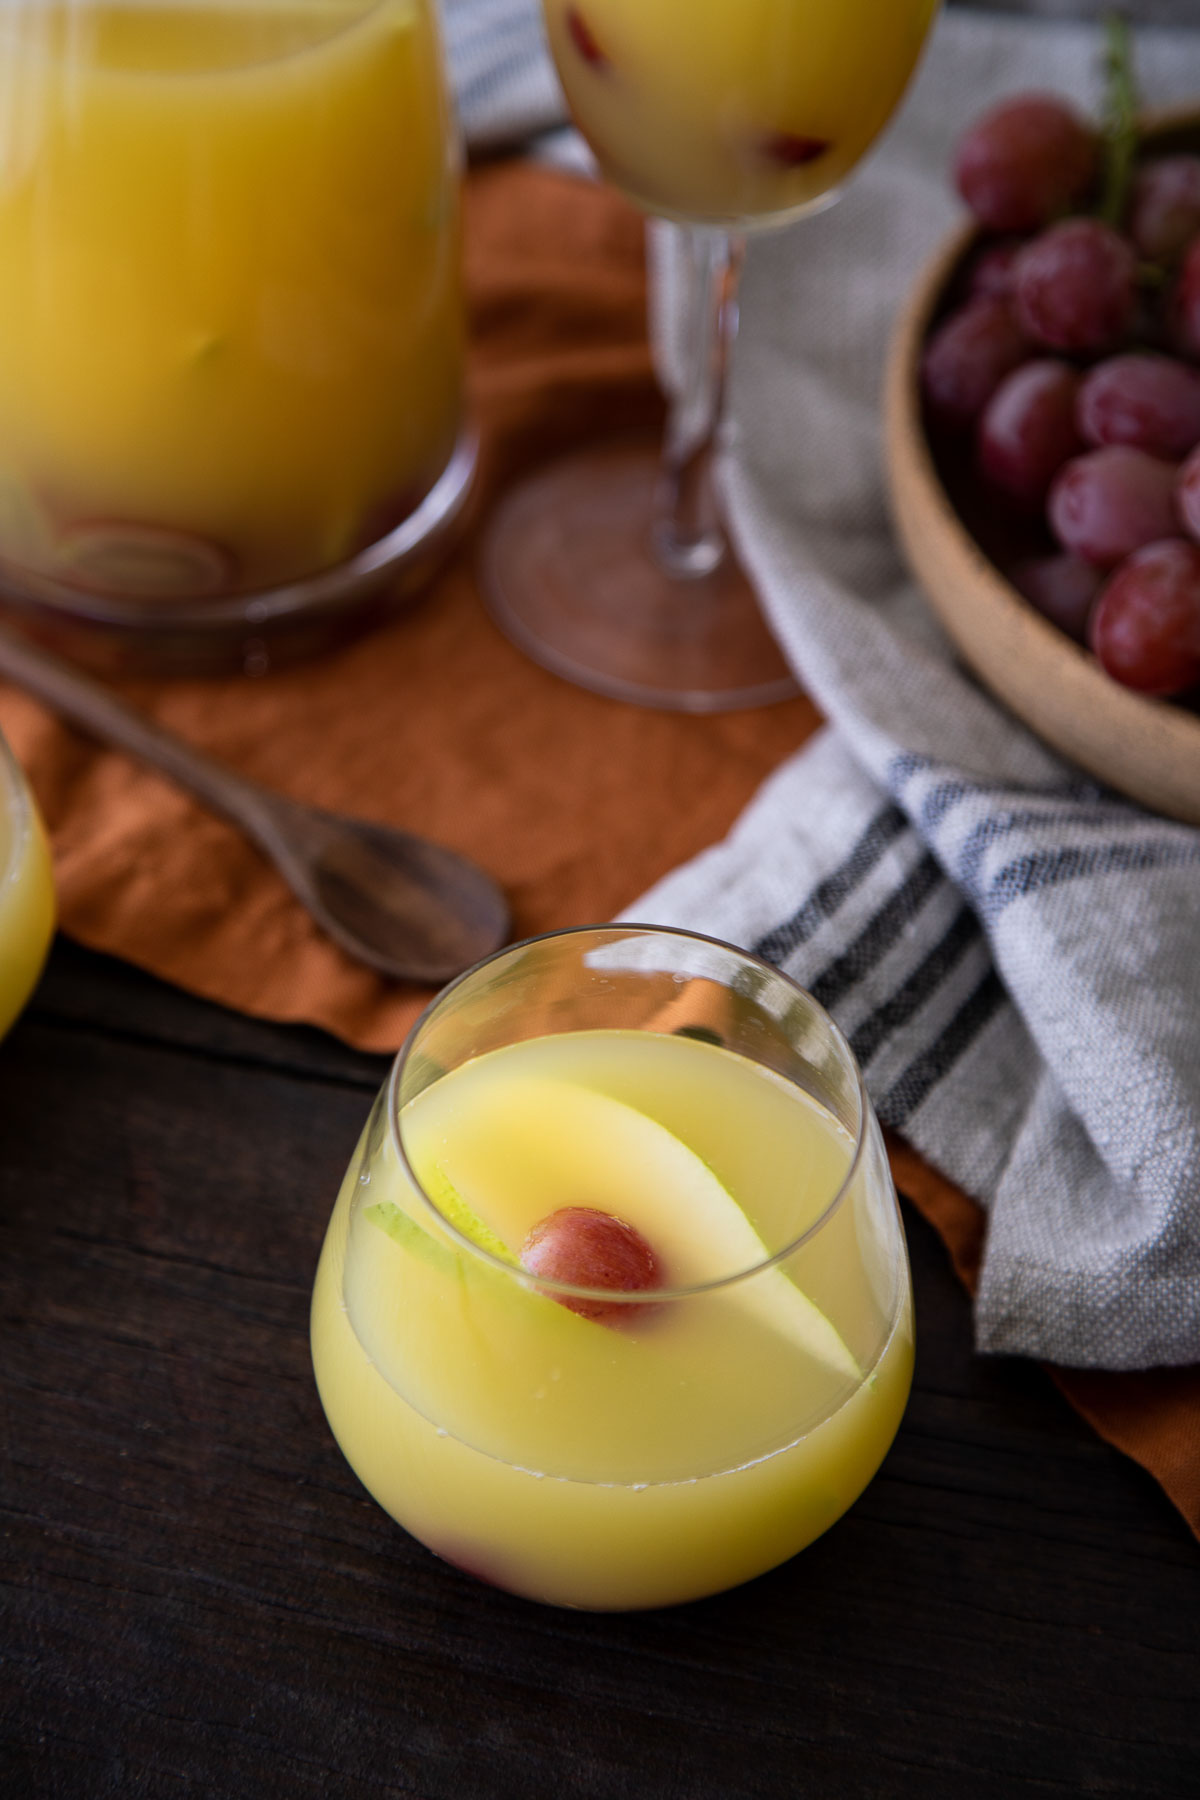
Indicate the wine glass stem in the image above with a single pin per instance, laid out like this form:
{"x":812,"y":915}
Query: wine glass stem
{"x":688,"y":536}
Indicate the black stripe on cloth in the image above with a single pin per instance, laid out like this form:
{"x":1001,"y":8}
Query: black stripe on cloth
{"x":922,"y":1075}
{"x":989,"y":831}
{"x":778,"y":943}
{"x":878,"y":935}
{"x":933,"y":806}
{"x":920,"y":987}
{"x":942,"y":799}
{"x":1042,"y":869}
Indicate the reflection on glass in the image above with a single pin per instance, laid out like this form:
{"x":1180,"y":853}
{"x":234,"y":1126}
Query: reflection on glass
{"x":614,"y":1308}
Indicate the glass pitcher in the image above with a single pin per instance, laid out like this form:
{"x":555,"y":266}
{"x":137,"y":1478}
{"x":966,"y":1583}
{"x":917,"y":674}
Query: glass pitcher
{"x":231,"y":338}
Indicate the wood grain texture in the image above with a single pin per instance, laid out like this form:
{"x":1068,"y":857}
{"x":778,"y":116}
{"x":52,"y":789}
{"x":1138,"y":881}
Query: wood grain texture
{"x":198,"y":1599}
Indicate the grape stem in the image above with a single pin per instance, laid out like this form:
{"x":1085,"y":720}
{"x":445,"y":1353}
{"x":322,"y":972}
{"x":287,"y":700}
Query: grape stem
{"x":1120,"y":119}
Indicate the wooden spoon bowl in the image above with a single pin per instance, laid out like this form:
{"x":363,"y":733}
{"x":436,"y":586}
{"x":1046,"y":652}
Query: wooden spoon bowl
{"x":1146,"y":748}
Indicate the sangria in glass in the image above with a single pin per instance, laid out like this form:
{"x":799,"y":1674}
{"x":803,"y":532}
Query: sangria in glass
{"x":727,"y":117}
{"x":231,"y":334}
{"x":614,"y":1309}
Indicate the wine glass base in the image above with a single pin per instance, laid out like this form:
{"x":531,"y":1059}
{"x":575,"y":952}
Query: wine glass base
{"x":570,"y":578}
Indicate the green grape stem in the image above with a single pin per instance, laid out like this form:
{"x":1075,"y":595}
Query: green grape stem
{"x":1120,"y":126}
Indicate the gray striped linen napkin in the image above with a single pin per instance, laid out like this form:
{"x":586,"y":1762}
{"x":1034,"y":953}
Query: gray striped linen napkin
{"x":1012,"y":951}
{"x":502,"y":77}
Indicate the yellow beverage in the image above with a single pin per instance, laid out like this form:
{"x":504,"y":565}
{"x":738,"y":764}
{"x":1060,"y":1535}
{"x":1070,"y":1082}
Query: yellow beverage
{"x":696,"y":1435}
{"x":733,"y":110}
{"x":26,"y":891}
{"x":230,"y":319}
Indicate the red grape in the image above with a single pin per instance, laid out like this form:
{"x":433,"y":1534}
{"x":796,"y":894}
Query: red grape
{"x":584,"y":39}
{"x":1164,"y":211}
{"x":1110,"y":502}
{"x":791,"y":148}
{"x":1184,"y":303}
{"x":968,"y":356}
{"x":588,"y":1248}
{"x":1076,"y":286}
{"x":991,"y":272}
{"x":1187,"y":495}
{"x":1027,"y":430}
{"x":1063,"y":589}
{"x":1150,"y":401}
{"x":1025,"y":161}
{"x":1145,"y":628}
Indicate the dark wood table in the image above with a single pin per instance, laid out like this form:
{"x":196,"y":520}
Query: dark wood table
{"x":198,"y":1599}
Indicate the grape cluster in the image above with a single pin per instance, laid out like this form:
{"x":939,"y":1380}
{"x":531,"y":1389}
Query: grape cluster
{"x":1069,"y":363}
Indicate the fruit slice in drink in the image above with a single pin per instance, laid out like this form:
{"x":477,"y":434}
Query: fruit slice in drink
{"x":546,"y":1141}
{"x":703,"y":109}
{"x":700,"y":1429}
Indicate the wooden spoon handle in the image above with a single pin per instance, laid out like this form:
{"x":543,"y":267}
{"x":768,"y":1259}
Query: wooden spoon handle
{"x":88,"y":704}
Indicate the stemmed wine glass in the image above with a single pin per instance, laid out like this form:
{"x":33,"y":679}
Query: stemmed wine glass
{"x":725,"y":116}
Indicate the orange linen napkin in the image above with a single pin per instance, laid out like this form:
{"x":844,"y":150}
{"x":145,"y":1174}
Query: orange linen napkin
{"x":435,"y":722}
{"x":576,"y":804}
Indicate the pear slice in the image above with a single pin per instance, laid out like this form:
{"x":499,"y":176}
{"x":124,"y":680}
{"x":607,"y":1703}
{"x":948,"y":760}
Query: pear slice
{"x":395,"y":1223}
{"x":440,"y":1252}
{"x":450,"y":1203}
{"x":524,"y":1149}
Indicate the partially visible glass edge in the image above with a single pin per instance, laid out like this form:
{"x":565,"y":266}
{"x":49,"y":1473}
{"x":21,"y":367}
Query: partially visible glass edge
{"x":543,"y":1283}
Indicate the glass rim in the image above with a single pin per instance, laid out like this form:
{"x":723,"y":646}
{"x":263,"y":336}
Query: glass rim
{"x":367,"y":10}
{"x":567,"y":1290}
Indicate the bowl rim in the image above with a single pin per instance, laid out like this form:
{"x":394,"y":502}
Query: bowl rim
{"x":923,"y":510}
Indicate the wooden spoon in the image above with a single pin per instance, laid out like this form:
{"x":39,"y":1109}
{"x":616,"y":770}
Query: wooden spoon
{"x":398,"y":903}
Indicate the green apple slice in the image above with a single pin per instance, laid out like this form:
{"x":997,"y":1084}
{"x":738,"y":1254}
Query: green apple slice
{"x":395,"y":1223}
{"x":450,"y":1203}
{"x":524,"y":1149}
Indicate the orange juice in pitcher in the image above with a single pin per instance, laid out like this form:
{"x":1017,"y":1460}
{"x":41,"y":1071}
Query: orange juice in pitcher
{"x":231,"y":320}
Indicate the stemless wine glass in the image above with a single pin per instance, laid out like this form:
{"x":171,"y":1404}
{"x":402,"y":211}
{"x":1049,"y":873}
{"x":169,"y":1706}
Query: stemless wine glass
{"x":231,"y":337}
{"x":727,"y":116}
{"x":26,"y":890}
{"x":614,"y":1308}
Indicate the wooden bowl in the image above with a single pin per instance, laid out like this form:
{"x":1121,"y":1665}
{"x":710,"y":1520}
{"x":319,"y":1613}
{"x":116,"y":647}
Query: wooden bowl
{"x":1146,"y":748}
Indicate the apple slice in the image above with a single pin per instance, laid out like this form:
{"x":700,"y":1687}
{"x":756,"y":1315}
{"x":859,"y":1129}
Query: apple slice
{"x":524,"y":1149}
{"x":576,"y":1244}
{"x":450,"y":1203}
{"x":395,"y":1223}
